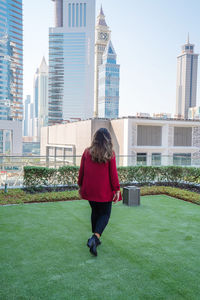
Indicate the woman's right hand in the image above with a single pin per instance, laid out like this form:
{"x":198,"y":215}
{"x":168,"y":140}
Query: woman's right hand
{"x":116,"y":197}
{"x":79,"y":192}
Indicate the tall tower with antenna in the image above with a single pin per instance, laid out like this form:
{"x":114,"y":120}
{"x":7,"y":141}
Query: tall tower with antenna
{"x":102,"y":37}
{"x":186,"y":86}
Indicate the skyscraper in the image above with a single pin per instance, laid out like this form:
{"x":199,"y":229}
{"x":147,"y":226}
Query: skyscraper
{"x":35,"y":104}
{"x":31,"y":121}
{"x":102,"y":38}
{"x":28,"y":126}
{"x":11,"y":77}
{"x":11,"y":60}
{"x":71,"y":61}
{"x":26,"y":115}
{"x":35,"y":93}
{"x":43,"y":93}
{"x":108,"y":98}
{"x":186,"y":86}
{"x":40,"y":89}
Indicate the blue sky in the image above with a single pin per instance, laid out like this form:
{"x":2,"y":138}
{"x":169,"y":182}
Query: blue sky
{"x":147,"y":36}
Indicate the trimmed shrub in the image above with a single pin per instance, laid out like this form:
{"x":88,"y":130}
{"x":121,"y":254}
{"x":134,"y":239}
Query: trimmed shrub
{"x":39,"y":176}
{"x":35,"y":177}
{"x":67,"y":175}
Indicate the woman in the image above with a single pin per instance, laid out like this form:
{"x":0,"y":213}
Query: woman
{"x":99,"y":184}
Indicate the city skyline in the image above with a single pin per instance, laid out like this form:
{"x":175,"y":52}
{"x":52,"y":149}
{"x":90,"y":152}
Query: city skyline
{"x":147,"y":39}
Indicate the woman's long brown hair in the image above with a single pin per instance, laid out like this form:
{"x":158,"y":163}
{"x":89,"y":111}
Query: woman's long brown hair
{"x":101,"y":149}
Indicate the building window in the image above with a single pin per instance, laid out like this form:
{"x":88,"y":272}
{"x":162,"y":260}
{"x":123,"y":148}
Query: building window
{"x":141,"y":159}
{"x":1,"y":141}
{"x":81,"y":14}
{"x":182,"y":136}
{"x":8,"y":142}
{"x":182,"y":159}
{"x":69,"y":15}
{"x":51,"y":151}
{"x":84,"y":14}
{"x":6,"y":137}
{"x":156,"y":159}
{"x":73,"y":15}
{"x":149,"y":135}
{"x":77,"y":14}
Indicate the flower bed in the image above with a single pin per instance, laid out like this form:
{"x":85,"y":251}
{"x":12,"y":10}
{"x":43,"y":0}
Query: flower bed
{"x":18,"y":196}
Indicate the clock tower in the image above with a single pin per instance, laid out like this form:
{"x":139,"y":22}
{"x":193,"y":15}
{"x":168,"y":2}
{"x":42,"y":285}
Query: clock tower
{"x":102,"y":37}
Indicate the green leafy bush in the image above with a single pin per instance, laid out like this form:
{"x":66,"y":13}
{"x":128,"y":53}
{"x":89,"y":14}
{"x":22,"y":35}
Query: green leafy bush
{"x":39,"y":176}
{"x":67,"y":175}
{"x":35,"y":177}
{"x":146,"y":174}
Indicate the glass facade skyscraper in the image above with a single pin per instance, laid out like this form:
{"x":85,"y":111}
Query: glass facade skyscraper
{"x":71,"y":61}
{"x":27,"y":103}
{"x":42,"y":95}
{"x":109,"y":73}
{"x":35,"y":93}
{"x":11,"y":60}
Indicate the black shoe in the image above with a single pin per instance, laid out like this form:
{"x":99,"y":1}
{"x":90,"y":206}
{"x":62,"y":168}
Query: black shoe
{"x":92,"y":243}
{"x":98,"y":242}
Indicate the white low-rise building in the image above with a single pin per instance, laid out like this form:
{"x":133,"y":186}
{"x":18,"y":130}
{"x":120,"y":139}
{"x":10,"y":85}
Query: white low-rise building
{"x":137,"y":141}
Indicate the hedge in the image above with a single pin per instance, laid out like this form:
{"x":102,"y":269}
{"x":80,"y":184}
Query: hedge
{"x":146,"y":174}
{"x":35,"y":177}
{"x":41,"y":176}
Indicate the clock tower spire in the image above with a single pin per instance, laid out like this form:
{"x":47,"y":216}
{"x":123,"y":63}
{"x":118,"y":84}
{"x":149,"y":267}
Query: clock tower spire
{"x":102,"y":37}
{"x":101,"y":18}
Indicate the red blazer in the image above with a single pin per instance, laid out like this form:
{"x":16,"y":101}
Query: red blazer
{"x":98,"y":181}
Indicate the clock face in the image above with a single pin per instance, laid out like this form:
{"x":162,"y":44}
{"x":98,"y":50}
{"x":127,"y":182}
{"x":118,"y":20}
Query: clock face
{"x":103,"y":36}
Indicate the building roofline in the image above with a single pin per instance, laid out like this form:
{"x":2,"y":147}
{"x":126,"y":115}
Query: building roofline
{"x":158,"y":119}
{"x":132,"y":117}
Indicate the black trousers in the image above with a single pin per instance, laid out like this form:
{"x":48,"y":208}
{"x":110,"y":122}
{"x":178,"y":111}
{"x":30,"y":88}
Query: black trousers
{"x":100,"y":215}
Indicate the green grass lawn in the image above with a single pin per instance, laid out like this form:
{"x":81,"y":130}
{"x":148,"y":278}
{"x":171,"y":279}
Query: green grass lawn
{"x":147,"y":252}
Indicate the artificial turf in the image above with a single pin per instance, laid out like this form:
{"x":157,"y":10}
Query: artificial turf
{"x":147,"y":252}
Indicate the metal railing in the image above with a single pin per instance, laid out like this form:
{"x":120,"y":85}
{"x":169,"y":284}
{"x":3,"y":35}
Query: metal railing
{"x":12,"y":167}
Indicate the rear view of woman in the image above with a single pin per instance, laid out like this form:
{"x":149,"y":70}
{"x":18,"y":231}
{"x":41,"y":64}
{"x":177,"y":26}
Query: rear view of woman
{"x":99,"y":184}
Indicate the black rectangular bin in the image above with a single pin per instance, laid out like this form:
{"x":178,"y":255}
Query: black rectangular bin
{"x":131,"y":195}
